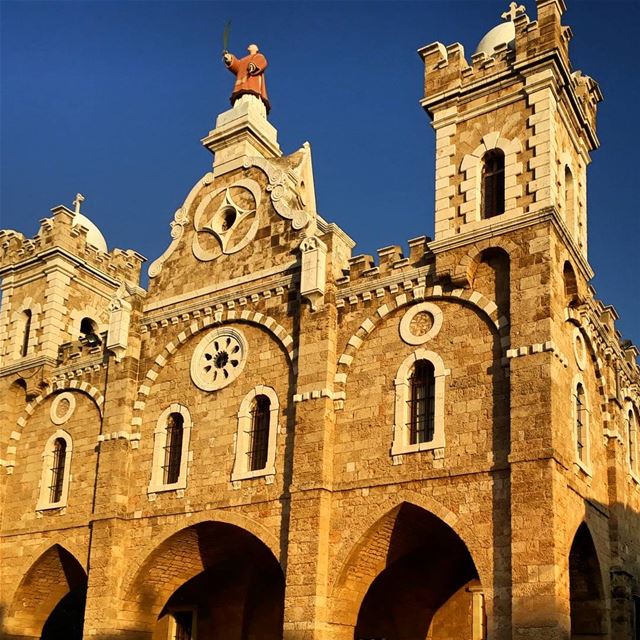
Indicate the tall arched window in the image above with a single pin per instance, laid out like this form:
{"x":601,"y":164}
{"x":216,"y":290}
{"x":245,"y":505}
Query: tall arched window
{"x":581,"y":424}
{"x":170,"y":450}
{"x":632,"y":439}
{"x":57,"y":470}
{"x":56,"y":464}
{"x":419,"y":405}
{"x":422,"y":401}
{"x":492,"y":183}
{"x":26,"y":332}
{"x":259,"y":436}
{"x":255,"y":444}
{"x":173,"y":448}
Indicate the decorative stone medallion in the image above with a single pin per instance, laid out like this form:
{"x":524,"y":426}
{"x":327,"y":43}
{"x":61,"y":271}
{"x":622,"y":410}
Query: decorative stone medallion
{"x":62,"y":407}
{"x":579,"y":349}
{"x":218,"y":359}
{"x":229,"y":216}
{"x":421,"y":323}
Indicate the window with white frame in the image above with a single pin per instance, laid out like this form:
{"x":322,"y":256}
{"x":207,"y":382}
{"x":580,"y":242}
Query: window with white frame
{"x":171,"y":449}
{"x":419,"y":403}
{"x":56,"y":472}
{"x":580,"y":415}
{"x":257,"y":434}
{"x":632,"y":440}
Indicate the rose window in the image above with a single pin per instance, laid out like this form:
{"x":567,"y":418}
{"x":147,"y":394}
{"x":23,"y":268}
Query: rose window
{"x":219,"y":359}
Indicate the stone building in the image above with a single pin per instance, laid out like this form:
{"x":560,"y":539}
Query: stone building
{"x":280,"y":440}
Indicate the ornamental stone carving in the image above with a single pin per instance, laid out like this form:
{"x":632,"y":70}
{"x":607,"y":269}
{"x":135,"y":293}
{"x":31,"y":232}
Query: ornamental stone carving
{"x":421,"y":323}
{"x":62,"y":408}
{"x":230,"y":215}
{"x":218,"y":359}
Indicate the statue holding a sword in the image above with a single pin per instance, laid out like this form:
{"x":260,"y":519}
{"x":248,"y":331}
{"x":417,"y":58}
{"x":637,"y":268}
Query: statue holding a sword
{"x":249,"y":71}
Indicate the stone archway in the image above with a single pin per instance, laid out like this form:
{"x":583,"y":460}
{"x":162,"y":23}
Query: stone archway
{"x":586,"y":591}
{"x":212,"y":576}
{"x":50,"y":601}
{"x":411,"y":578}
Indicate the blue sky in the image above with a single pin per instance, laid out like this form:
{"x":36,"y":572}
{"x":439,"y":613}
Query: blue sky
{"x":112,"y":98}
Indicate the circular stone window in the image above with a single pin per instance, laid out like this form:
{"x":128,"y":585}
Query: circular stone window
{"x":62,"y":408}
{"x":218,"y":359}
{"x":579,"y":349}
{"x":421,"y":323}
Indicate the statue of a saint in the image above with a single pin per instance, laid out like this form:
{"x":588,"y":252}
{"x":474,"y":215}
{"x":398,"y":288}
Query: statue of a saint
{"x":249,"y":72}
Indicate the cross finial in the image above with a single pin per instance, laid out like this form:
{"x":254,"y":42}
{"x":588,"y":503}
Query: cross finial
{"x":515,"y":10}
{"x":78,"y":201}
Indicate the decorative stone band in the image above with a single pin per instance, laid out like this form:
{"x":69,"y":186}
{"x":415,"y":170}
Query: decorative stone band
{"x":9,"y":461}
{"x":413,"y":293}
{"x":200,"y":309}
{"x":317,"y":393}
{"x":540,"y":347}
{"x":208,"y":320}
{"x":134,"y":438}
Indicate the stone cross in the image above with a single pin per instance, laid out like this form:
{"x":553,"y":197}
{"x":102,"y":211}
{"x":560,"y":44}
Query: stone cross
{"x":515,"y":10}
{"x":78,"y":201}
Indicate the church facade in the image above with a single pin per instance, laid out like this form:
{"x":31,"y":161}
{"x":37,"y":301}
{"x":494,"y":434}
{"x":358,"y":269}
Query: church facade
{"x":278,"y":439}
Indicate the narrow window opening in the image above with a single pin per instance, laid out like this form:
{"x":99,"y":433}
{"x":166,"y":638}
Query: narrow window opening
{"x":632,"y":433}
{"x":173,"y":448}
{"x":570,"y":284}
{"x":183,"y":625}
{"x":422,"y":403}
{"x":57,"y":470}
{"x":581,"y":411}
{"x":26,"y":333}
{"x":259,"y":435}
{"x":493,"y":183}
{"x":89,"y":332}
{"x":569,"y":200}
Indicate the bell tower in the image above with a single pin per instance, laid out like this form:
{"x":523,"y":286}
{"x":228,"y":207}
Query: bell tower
{"x":515,"y":126}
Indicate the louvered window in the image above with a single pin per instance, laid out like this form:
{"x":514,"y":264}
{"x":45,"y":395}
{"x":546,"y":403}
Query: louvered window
{"x":493,"y":183}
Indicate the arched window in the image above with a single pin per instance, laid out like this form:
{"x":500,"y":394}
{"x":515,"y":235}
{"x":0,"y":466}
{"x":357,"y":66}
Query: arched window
{"x":26,"y":331}
{"x":569,"y":200}
{"x":56,"y":464}
{"x":57,"y":470}
{"x":570,"y":284}
{"x":632,"y":439}
{"x":173,"y":448}
{"x":259,"y":436}
{"x":422,"y":399}
{"x":256,"y":435}
{"x":493,"y":183}
{"x":89,"y":332}
{"x":170,"y":450}
{"x":419,"y":404}
{"x":581,"y":426}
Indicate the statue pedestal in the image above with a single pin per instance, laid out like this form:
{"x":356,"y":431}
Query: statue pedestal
{"x":242,"y":131}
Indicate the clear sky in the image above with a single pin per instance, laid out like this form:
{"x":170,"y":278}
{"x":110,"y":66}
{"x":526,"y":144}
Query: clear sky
{"x":112,"y":98}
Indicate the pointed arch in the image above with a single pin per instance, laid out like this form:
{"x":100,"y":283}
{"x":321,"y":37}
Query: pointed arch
{"x":50,"y":578}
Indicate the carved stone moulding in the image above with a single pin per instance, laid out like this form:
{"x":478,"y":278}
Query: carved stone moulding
{"x":421,"y":323}
{"x":62,"y":408}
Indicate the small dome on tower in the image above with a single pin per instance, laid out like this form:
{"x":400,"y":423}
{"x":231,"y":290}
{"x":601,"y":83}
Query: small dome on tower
{"x":504,"y":33}
{"x":94,"y":235}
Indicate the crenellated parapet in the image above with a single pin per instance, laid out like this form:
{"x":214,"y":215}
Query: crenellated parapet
{"x":62,"y":231}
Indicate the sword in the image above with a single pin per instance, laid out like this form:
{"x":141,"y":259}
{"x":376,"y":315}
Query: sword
{"x":225,"y":36}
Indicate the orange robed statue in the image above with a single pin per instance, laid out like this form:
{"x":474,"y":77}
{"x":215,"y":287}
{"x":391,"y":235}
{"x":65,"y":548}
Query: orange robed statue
{"x":249,"y":72}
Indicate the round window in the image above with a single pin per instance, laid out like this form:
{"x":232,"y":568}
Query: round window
{"x":218,"y":359}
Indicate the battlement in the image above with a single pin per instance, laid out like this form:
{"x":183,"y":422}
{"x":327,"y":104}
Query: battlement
{"x":513,"y":45}
{"x":79,"y":239}
{"x":390,"y":260}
